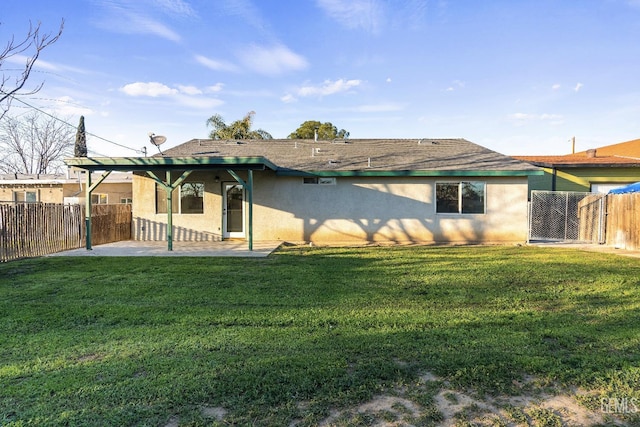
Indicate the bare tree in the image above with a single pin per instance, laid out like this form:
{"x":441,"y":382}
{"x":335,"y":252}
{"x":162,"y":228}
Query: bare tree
{"x":27,"y":49}
{"x":35,"y":144}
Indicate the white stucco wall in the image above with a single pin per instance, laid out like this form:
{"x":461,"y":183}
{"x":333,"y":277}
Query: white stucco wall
{"x":354,"y":210}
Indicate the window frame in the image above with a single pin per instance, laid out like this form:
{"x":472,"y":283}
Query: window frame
{"x":177,"y":199}
{"x":24,"y":194}
{"x":460,"y":210}
{"x":182,"y":195}
{"x":319,"y":180}
{"x":100,"y":196}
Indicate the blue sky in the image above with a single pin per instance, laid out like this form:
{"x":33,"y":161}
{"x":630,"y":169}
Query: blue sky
{"x":517,"y":76}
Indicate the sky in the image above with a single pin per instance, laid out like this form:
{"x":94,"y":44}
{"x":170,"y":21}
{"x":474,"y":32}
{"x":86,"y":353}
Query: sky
{"x":519,"y":77}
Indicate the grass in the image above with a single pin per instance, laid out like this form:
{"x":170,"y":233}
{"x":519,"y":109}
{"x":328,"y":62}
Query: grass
{"x":114,"y":341}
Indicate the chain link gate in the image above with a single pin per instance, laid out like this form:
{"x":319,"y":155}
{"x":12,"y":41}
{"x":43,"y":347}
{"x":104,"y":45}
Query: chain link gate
{"x":567,"y":216}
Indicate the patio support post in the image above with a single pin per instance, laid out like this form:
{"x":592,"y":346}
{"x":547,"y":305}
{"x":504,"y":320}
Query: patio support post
{"x":87,"y":211}
{"x":87,"y":204}
{"x":250,"y":196}
{"x":169,"y":187}
{"x":169,"y":190}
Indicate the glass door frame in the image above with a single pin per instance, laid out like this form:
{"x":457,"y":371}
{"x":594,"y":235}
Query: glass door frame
{"x":226,"y":234}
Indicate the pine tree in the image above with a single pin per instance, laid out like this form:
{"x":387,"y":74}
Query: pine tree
{"x":81,"y":140}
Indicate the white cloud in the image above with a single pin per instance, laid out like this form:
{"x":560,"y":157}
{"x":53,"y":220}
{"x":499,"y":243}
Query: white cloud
{"x":215,"y":88}
{"x":354,"y":14}
{"x":146,"y":25}
{"x":578,"y":87}
{"x":555,"y":86}
{"x":123,"y":16}
{"x":153,"y":89}
{"x":329,"y":87}
{"x":288,"y":98}
{"x":44,"y":65}
{"x":175,"y":7}
{"x":186,"y":95}
{"x":388,"y":80}
{"x":215,"y":64}
{"x":67,"y":106}
{"x":189,"y":90}
{"x":273,"y":60}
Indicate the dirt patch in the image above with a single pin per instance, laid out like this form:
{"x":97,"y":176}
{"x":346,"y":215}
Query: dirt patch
{"x":444,"y":407}
{"x":433,"y":402}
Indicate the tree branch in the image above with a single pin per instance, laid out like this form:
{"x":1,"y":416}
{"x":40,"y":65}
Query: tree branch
{"x":33,"y":40}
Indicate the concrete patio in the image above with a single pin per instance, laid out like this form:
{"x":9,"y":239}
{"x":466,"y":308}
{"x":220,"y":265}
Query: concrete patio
{"x":131,"y":248}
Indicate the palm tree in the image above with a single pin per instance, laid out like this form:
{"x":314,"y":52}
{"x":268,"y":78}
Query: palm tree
{"x":240,"y":129}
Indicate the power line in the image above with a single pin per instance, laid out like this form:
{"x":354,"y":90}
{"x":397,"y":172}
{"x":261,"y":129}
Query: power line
{"x":75,"y":127}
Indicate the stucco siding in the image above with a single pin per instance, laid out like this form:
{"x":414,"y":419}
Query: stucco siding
{"x":354,"y":210}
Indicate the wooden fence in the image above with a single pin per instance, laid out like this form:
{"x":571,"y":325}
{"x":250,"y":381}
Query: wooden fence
{"x":29,"y":230}
{"x":110,"y":223}
{"x":623,"y":221}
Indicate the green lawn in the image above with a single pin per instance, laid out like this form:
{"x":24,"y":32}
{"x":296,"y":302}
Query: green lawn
{"x":140,"y":341}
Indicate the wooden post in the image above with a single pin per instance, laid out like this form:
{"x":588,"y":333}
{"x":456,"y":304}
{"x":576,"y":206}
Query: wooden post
{"x":169,"y":190}
{"x":250,"y":196}
{"x":87,"y":211}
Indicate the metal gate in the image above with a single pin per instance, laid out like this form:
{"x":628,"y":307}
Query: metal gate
{"x":567,"y":216}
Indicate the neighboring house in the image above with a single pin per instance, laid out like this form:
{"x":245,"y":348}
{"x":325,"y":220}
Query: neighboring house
{"x":331,"y":192}
{"x":597,"y":170}
{"x":69,"y":188}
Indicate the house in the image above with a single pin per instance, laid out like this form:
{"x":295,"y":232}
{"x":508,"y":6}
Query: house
{"x":343,"y":191}
{"x":596,"y":170}
{"x":64,"y":188}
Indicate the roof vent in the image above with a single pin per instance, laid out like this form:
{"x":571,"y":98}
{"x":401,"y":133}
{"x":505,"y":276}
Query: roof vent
{"x":591,"y":153}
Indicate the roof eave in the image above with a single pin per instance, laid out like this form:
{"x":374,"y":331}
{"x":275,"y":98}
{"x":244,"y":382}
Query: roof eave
{"x":584,"y":165}
{"x":168,"y":163}
{"x":405,"y":173}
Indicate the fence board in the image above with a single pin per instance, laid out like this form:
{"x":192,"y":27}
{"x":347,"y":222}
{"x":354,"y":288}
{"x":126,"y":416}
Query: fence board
{"x":110,"y":223}
{"x":623,"y":221}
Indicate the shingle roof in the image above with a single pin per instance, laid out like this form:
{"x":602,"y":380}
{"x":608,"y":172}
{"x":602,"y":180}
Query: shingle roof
{"x":358,"y":154}
{"x":624,"y":154}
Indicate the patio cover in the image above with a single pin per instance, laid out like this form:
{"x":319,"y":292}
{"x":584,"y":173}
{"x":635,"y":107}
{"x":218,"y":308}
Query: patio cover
{"x":153,"y":165}
{"x":631,"y":188}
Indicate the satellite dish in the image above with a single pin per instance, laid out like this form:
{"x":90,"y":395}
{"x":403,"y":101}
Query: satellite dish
{"x":157,"y":140}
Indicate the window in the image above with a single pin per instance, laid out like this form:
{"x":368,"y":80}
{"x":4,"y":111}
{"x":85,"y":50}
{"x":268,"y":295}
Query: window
{"x":25,"y":196}
{"x":126,"y":200}
{"x":99,"y":199}
{"x":192,"y":198}
{"x":319,"y":180}
{"x":460,"y":197}
{"x":186,"y":199}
